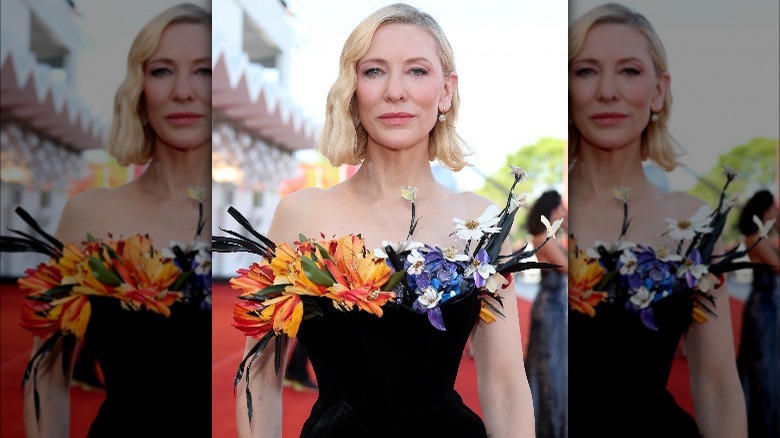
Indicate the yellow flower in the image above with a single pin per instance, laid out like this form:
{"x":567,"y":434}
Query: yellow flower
{"x":584,"y":274}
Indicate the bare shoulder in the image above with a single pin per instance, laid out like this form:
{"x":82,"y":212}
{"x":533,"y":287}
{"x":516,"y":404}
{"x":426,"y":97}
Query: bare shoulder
{"x":472,"y":203}
{"x":86,"y":211}
{"x":684,"y":205}
{"x":295,"y":212}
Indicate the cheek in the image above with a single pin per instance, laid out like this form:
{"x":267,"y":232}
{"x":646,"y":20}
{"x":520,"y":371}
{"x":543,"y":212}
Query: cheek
{"x":203,"y":85}
{"x":154,"y":96}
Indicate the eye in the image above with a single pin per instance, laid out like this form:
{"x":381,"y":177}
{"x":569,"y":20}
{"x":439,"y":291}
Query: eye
{"x":585,"y":71}
{"x":160,"y":71}
{"x":372,"y":72}
{"x":204,"y":71}
{"x":631,"y":71}
{"x":418,"y":71}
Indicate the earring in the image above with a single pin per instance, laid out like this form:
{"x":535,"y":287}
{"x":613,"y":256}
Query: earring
{"x":654,"y":118}
{"x":442,"y":117}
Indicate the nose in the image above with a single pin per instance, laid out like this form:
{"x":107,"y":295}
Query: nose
{"x":395,"y":87}
{"x":183,"y":90}
{"x":607,"y":89}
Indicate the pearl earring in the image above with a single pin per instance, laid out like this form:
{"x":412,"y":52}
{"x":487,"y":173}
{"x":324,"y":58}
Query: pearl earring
{"x":442,"y":117}
{"x":654,"y":118}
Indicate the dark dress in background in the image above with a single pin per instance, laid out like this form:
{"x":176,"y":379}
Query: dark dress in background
{"x":546,"y":362}
{"x":758,"y":360}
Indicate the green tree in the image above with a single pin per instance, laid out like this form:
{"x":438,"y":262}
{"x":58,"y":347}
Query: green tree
{"x":544,"y":163}
{"x":756,"y":162}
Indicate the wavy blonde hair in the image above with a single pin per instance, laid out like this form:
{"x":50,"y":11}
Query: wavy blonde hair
{"x":656,"y":143}
{"x":343,"y":139}
{"x":131,"y":140}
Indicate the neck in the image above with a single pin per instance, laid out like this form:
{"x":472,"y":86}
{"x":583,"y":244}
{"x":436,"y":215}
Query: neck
{"x":384,"y":172}
{"x":597,"y":171}
{"x":172,"y":172}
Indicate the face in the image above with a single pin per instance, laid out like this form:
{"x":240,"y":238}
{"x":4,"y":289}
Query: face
{"x":401,"y":87}
{"x":613,"y":87}
{"x":177,"y":87}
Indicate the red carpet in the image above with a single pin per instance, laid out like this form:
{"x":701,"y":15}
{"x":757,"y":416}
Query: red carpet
{"x":227,"y":348}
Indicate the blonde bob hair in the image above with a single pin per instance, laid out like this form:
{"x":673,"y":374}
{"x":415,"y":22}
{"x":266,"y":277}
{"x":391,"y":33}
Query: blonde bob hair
{"x":656,"y":143}
{"x":344,"y":139}
{"x":131,"y":140}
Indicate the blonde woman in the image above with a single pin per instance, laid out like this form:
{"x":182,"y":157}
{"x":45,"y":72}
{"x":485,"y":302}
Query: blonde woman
{"x":620,"y":103}
{"x":392,"y":110}
{"x":157,"y":369}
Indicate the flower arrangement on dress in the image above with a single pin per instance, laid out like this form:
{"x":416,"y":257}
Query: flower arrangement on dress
{"x":289,"y":283}
{"x":643,"y":275}
{"x":129,"y":269}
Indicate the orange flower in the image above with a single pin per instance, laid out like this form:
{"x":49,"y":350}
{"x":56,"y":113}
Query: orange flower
{"x":247,"y":318}
{"x":584,"y":274}
{"x":40,"y":280}
{"x":254,"y":279}
{"x":75,"y":314}
{"x":39,"y":318}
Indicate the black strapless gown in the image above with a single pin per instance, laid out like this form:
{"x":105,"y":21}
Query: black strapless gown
{"x":391,"y":376}
{"x":617,"y":384}
{"x":157,"y":370}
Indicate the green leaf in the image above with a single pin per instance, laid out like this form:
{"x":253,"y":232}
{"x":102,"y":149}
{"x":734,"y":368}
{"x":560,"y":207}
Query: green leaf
{"x":183,"y":278}
{"x":393,"y":281}
{"x":315,"y":274}
{"x":102,"y":274}
{"x":324,"y":252}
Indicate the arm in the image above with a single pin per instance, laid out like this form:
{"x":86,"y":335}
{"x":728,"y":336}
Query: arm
{"x":53,"y":382}
{"x":265,"y":383}
{"x":503,"y":387}
{"x":715,"y":388}
{"x":266,"y":388}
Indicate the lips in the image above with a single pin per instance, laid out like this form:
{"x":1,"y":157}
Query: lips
{"x":184,"y":118}
{"x":608,"y":118}
{"x":396,"y":118}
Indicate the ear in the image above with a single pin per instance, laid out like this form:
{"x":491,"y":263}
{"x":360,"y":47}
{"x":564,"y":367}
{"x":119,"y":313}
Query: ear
{"x":659,"y":94}
{"x":450,"y":85}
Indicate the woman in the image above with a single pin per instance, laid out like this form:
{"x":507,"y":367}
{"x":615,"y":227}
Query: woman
{"x":162,"y":118}
{"x":619,"y":103}
{"x":546,"y":362}
{"x":759,"y":358}
{"x":393,"y":109}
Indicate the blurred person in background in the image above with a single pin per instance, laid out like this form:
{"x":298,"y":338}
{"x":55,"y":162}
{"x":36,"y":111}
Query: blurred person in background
{"x":546,"y":361}
{"x":759,"y":349}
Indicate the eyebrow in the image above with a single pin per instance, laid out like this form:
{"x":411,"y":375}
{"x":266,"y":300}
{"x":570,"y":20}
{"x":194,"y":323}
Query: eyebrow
{"x":171,"y":61}
{"x":620,"y":61}
{"x":408,"y":61}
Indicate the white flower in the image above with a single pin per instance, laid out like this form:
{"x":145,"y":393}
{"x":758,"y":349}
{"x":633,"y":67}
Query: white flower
{"x":409,"y":192}
{"x":763,"y":228}
{"x":203,"y":263}
{"x":708,"y":282}
{"x":417,"y":263}
{"x":551,"y":229}
{"x":642,"y":298}
{"x":398,"y":247}
{"x":451,"y":254}
{"x":729,"y":202}
{"x":621,"y":193}
{"x":517,"y":201}
{"x":611,"y":248}
{"x":485,"y":270}
{"x":665,"y":254}
{"x":729,"y":171}
{"x":628,"y":263}
{"x":518,"y":172}
{"x":495,"y":282}
{"x":475,"y":228}
{"x":686,"y":229}
{"x":696,"y":270}
{"x":429,"y":297}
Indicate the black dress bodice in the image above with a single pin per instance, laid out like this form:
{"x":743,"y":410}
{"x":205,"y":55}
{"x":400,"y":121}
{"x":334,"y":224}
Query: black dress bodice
{"x":391,"y":376}
{"x":157,"y":370}
{"x":617,"y":384}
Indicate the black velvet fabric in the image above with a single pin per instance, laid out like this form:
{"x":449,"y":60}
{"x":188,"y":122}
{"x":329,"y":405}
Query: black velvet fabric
{"x":620,"y":368}
{"x":157,"y":370}
{"x":391,"y":376}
